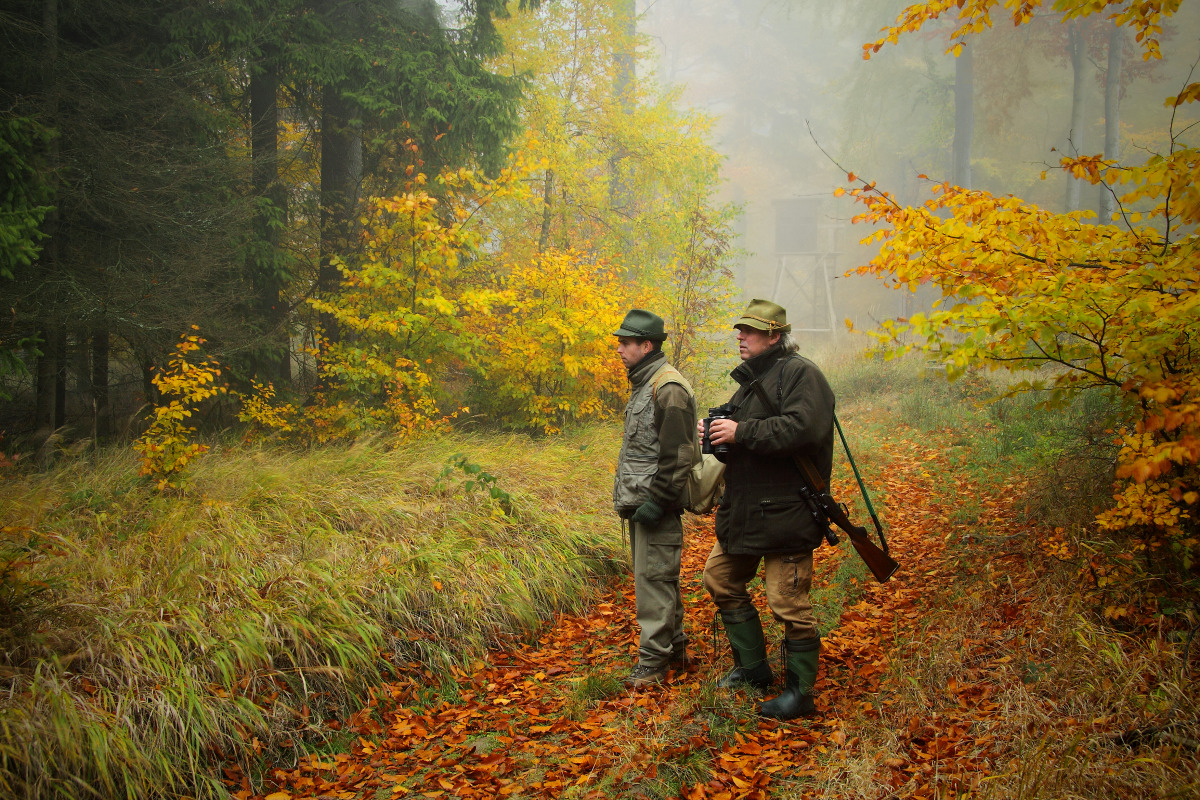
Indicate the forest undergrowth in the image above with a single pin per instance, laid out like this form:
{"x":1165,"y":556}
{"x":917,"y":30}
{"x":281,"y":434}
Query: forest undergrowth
{"x":368,"y":622}
{"x":991,"y":666}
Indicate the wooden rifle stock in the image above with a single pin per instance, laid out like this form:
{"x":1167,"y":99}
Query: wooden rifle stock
{"x":882,"y":565}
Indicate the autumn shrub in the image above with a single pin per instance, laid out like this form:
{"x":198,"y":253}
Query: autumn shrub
{"x":396,"y":319}
{"x":548,"y":360}
{"x":169,"y":443}
{"x":431,"y":323}
{"x":168,"y":633}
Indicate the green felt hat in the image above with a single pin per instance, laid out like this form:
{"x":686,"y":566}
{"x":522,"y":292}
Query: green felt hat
{"x":641,"y":324}
{"x":764,"y":315}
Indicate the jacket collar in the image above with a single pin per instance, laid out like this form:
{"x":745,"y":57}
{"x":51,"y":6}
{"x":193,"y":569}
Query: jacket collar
{"x":758,"y":366}
{"x":640,"y":372}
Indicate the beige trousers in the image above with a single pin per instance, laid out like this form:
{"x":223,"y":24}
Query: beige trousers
{"x":787,"y":580}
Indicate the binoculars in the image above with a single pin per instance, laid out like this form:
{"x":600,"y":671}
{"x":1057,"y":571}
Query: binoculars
{"x":721,"y":450}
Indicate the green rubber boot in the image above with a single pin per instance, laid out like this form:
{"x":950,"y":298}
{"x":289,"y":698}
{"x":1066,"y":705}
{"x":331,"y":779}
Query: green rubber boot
{"x":749,"y":647}
{"x":796,"y":700}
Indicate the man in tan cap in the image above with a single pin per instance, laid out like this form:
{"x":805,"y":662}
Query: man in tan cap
{"x":650,"y":490}
{"x":782,"y":411}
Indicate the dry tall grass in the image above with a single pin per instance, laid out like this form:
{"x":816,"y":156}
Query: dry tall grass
{"x":147,"y":637}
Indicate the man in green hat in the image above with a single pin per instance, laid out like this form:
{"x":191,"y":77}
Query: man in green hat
{"x":781,"y":412}
{"x":650,"y":490}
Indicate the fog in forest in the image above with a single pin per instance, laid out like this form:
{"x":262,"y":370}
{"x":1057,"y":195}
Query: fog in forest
{"x":793,"y":95}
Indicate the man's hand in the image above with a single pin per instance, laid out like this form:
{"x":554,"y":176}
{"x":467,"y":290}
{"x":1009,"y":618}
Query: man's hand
{"x":722,"y":431}
{"x":648,"y":513}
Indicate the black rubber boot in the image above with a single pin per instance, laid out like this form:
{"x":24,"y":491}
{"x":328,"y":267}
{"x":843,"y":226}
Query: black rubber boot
{"x":749,"y":647}
{"x":796,"y":700}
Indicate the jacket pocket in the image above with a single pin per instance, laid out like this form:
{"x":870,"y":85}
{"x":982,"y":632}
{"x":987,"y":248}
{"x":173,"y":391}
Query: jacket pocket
{"x":641,"y":465}
{"x":634,"y":476}
{"x":781,"y":522}
{"x":639,"y":423}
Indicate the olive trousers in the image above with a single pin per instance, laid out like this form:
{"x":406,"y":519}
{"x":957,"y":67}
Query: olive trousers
{"x":787,"y":580}
{"x":657,"y":553}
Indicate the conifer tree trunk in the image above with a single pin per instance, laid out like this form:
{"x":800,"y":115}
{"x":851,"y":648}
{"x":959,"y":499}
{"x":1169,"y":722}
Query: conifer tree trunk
{"x":101,"y":427}
{"x":60,"y":377}
{"x":46,"y":405}
{"x":43,"y":411}
{"x":341,"y":177}
{"x":265,"y":267}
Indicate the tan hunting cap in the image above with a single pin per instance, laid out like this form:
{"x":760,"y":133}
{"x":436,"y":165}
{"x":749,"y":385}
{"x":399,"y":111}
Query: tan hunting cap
{"x":764,"y":315}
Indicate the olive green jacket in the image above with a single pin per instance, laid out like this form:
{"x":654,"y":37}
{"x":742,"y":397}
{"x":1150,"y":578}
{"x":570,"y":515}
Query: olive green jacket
{"x":763,"y":512}
{"x":659,"y":442}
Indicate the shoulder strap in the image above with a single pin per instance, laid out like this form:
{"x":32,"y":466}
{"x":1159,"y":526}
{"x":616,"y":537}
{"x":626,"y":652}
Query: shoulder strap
{"x":861,"y":486}
{"x":756,"y":386}
{"x":668,"y":374}
{"x":792,"y":356}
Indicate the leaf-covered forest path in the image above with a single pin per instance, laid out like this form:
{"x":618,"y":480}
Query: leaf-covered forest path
{"x":551,"y":720}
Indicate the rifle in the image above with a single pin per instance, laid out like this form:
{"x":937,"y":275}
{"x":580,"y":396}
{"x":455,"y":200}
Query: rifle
{"x":881,"y":564}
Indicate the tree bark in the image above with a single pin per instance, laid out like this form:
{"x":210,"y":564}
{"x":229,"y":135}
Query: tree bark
{"x":43,"y":410}
{"x":964,"y":116}
{"x":1112,"y":117}
{"x":341,"y":178}
{"x":149,"y":390}
{"x":266,"y":269}
{"x":1077,"y":47}
{"x":60,"y":378}
{"x":46,"y":394}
